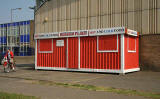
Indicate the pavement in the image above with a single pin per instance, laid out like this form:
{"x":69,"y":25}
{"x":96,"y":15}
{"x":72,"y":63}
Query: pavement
{"x":15,"y":82}
{"x":56,"y":92}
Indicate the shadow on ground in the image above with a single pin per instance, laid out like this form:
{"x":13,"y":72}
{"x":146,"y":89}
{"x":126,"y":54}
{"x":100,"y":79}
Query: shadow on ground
{"x":26,"y":66}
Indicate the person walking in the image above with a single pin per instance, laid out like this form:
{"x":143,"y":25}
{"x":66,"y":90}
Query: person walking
{"x":10,"y":56}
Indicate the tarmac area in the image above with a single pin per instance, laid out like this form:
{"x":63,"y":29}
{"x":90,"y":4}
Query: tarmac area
{"x":21,"y":82}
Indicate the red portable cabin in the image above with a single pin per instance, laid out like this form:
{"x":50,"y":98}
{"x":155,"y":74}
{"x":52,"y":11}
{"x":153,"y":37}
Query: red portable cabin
{"x":113,"y":50}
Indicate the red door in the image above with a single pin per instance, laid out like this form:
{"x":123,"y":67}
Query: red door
{"x":73,"y":53}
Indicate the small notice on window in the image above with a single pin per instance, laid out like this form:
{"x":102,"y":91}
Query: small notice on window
{"x":60,"y":43}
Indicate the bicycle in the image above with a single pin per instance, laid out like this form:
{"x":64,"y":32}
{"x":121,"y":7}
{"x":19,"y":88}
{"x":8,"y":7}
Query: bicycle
{"x":8,"y":65}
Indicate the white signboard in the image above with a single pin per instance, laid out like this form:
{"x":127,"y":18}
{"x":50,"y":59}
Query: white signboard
{"x":59,"y":42}
{"x":46,"y":35}
{"x":132,"y":32}
{"x":93,"y":32}
{"x":73,"y":33}
{"x":107,"y":31}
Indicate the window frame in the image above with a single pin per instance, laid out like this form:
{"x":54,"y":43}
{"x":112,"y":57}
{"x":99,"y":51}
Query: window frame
{"x":107,"y":50}
{"x":44,"y":51}
{"x":131,"y":51}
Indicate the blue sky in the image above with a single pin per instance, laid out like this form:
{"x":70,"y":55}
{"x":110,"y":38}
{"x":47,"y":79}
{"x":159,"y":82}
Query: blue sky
{"x":18,"y":15}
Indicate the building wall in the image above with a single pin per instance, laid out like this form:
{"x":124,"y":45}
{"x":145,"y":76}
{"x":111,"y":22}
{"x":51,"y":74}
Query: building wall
{"x":67,"y":15}
{"x":32,"y":42}
{"x":18,"y":36}
{"x":140,"y":15}
{"x":32,"y":29}
{"x":150,"y":52}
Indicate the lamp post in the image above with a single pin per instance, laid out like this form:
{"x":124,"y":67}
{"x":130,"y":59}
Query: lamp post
{"x":11,"y":22}
{"x":34,"y":9}
{"x":13,"y":10}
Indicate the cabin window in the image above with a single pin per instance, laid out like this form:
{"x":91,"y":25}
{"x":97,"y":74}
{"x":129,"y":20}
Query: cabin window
{"x":107,"y":43}
{"x":45,"y":46}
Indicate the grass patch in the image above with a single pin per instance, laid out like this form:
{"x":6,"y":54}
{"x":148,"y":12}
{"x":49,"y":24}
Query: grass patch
{"x":104,"y":89}
{"x":4,"y":95}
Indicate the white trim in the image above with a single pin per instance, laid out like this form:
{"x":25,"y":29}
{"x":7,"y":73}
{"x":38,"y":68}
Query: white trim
{"x":91,"y":70}
{"x":130,"y":51}
{"x":83,"y":70}
{"x":44,"y":51}
{"x":36,"y":54}
{"x":122,"y":53}
{"x":67,"y":54}
{"x":100,"y":70}
{"x":106,"y":50}
{"x":131,"y":70}
{"x":79,"y":52}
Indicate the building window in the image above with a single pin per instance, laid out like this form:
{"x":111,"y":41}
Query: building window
{"x":107,"y":43}
{"x":131,"y":43}
{"x":45,"y":46}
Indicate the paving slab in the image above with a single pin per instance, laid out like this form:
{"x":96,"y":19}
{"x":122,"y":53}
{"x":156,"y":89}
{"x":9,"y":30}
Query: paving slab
{"x":13,"y":85}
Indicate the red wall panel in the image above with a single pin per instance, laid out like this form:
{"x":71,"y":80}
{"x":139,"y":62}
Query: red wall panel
{"x":92,"y":59}
{"x":72,"y":52}
{"x":131,"y":43}
{"x":131,"y":58}
{"x":57,"y":58}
